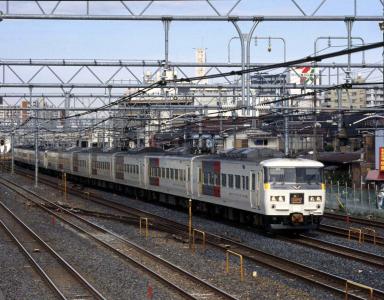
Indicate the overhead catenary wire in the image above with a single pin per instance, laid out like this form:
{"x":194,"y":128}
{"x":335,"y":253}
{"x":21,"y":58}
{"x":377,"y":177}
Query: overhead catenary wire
{"x":164,"y":82}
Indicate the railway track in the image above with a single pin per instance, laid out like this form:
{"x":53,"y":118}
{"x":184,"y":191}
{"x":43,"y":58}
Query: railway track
{"x":180,"y":281}
{"x":336,"y":249}
{"x":351,"y":219}
{"x":328,"y":281}
{"x":61,"y":277}
{"x":344,"y":233}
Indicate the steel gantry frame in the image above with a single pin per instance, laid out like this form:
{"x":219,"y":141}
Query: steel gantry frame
{"x":72,"y":95}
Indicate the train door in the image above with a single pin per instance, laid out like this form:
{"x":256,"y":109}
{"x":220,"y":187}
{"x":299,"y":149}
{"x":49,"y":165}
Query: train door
{"x":260,"y":187}
{"x":256,"y":188}
{"x":94,"y":163}
{"x":253,"y":191}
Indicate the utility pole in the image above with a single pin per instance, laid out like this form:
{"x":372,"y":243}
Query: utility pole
{"x":381,"y":25}
{"x":315,"y":123}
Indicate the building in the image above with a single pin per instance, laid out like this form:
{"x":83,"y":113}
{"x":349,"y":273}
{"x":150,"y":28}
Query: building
{"x":201,"y":58}
{"x":352,"y":98}
{"x":375,"y":97}
{"x":9,"y":115}
{"x":306,"y":76}
{"x":263,"y":93}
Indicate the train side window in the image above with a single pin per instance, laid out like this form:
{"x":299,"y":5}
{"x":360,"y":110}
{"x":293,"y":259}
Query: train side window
{"x":253,"y":182}
{"x":172,"y":173}
{"x":230,"y":180}
{"x":176,"y":174}
{"x":224,"y":180}
{"x":167,"y":173}
{"x":211,"y":178}
{"x":217,"y":179}
{"x":136,"y":169}
{"x":237,"y":181}
{"x":189,"y":174}
{"x":162,"y":172}
{"x":247,"y":183}
{"x":243,"y":182}
{"x":206,"y":177}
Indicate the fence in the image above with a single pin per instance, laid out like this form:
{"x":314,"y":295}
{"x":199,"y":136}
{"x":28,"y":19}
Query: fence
{"x":353,"y":199}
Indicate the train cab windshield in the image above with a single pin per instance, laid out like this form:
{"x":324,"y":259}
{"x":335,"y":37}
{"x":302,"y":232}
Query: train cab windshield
{"x":307,"y":178}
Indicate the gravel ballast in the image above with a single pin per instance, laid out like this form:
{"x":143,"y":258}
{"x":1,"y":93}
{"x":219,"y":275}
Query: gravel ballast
{"x":112,"y":276}
{"x":267,"y":284}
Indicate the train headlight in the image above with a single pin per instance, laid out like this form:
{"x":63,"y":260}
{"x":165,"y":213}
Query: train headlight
{"x":315,"y":199}
{"x":277,"y":198}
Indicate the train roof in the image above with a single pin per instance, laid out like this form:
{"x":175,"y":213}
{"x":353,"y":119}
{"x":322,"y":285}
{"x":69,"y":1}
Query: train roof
{"x":291,"y":162}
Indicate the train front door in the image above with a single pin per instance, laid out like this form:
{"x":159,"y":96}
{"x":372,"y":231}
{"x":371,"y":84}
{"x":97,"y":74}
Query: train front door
{"x":253,"y":190}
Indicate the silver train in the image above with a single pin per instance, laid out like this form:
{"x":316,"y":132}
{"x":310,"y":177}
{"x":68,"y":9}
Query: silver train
{"x":249,"y":187}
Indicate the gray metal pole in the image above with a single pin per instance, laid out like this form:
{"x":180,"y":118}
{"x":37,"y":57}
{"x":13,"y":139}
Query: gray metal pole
{"x":12,"y":154}
{"x":66,"y":107}
{"x":166,"y":23}
{"x":109,"y":115}
{"x":36,"y":140}
{"x":248,"y":51}
{"x":315,"y":124}
{"x":349,"y":23}
{"x":242,"y":59}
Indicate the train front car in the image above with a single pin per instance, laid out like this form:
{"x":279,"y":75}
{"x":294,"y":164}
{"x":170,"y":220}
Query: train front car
{"x":294,"y":193}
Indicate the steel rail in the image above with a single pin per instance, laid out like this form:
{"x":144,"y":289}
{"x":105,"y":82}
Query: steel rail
{"x":314,"y":276}
{"x":336,"y":249}
{"x":303,"y":240}
{"x":71,"y":270}
{"x":352,"y":219}
{"x":219,"y":294}
{"x":344,"y":233}
{"x":34,"y":263}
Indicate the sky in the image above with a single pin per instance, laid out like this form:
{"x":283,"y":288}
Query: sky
{"x":133,"y":40}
